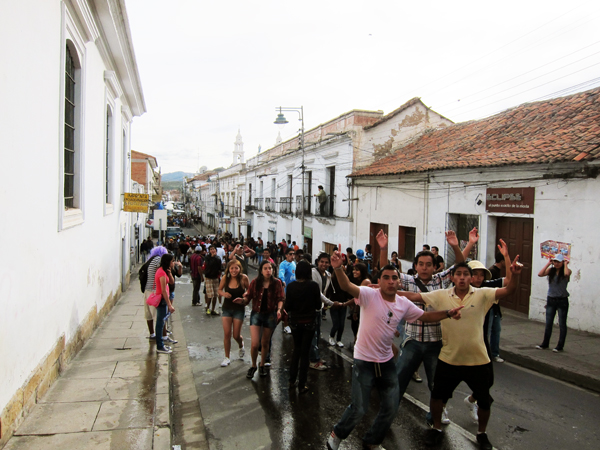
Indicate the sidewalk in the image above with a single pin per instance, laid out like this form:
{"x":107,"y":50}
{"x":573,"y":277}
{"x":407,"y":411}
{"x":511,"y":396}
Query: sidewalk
{"x":113,"y":394}
{"x":578,"y":364}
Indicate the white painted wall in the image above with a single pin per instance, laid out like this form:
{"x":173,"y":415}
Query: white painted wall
{"x":565,"y":210}
{"x":52,"y":278}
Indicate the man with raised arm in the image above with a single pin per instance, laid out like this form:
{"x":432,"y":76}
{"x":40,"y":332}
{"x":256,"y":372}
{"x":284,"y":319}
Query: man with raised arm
{"x":423,"y":341}
{"x":381,"y":311}
{"x":463,"y":356}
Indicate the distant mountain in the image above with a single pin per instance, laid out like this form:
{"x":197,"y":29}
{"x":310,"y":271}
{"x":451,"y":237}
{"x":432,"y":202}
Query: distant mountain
{"x":175,"y":176}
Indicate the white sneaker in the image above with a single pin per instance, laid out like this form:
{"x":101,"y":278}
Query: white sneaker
{"x":169,"y":339}
{"x":498,"y":359}
{"x":339,"y":344}
{"x":225,"y":362}
{"x":164,"y":350}
{"x":242,"y":351}
{"x":152,"y":336}
{"x":331,"y":341}
{"x":472,"y":409}
{"x":287,"y":330}
{"x":333,"y":443}
{"x":445,"y":419}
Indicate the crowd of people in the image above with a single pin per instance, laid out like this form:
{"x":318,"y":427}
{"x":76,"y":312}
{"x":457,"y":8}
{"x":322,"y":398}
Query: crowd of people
{"x":399,"y":320}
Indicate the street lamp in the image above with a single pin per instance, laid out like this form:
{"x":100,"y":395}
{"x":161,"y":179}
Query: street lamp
{"x":281,"y":122}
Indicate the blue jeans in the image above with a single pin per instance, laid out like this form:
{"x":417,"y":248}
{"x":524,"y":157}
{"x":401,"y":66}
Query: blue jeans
{"x":338,"y":316}
{"x":554,"y":304}
{"x":161,"y":315}
{"x":314,"y":347}
{"x":413,"y":354}
{"x":493,"y":331}
{"x":364,"y":378}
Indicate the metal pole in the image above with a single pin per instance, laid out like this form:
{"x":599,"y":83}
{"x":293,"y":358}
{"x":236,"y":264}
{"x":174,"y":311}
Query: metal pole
{"x":303,"y":169}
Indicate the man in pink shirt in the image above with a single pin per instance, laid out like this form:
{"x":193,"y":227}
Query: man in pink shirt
{"x":380,"y":312}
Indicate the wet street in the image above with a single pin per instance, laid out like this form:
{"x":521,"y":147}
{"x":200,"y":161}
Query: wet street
{"x":530,"y":411}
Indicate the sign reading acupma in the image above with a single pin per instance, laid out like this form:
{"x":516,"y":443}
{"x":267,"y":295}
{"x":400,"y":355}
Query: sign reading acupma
{"x":135,"y":203}
{"x":509,"y":200}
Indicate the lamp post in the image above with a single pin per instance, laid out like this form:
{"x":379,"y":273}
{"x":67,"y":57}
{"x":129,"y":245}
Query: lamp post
{"x":281,"y":122}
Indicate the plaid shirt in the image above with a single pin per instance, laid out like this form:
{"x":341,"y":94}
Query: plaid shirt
{"x":417,"y":330}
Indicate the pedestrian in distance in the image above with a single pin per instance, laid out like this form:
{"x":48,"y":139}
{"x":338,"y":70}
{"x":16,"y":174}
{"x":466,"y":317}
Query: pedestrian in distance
{"x":374,"y":367}
{"x":266,"y":295}
{"x":559,"y":275}
{"x":232,"y":288}
{"x":303,"y":300}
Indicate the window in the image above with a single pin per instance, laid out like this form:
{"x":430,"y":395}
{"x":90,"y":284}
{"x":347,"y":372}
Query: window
{"x":69,"y":134}
{"x":462,"y":224}
{"x":406,"y":243}
{"x":108,"y":156}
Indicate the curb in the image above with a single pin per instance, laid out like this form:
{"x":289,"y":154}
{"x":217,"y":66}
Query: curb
{"x":584,"y":381}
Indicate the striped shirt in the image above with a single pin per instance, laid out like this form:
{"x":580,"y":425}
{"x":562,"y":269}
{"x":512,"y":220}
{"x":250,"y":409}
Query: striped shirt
{"x":417,"y":330}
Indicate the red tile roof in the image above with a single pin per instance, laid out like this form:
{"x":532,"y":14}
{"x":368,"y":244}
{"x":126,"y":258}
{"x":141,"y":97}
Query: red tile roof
{"x":557,"y":130}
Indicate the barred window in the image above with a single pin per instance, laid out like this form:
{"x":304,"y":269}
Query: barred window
{"x":69,"y":138}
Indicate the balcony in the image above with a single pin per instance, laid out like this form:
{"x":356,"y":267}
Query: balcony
{"x":249,"y":208}
{"x":285,"y":205}
{"x":329,"y":210}
{"x":258,"y":203}
{"x":270,"y":204}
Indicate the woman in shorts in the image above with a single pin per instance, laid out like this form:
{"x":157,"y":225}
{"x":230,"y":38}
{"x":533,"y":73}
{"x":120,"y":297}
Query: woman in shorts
{"x":233,"y":286}
{"x":266,"y":294}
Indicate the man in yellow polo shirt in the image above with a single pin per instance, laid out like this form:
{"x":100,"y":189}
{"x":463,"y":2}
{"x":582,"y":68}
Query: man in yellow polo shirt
{"x":463,"y":356}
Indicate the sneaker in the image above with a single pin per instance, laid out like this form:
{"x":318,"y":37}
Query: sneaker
{"x":242,"y":351}
{"x":262,"y":371}
{"x":164,"y":350}
{"x":214,"y":313}
{"x":152,"y":336}
{"x":539,"y":347}
{"x":331,"y":341}
{"x":320,"y":365}
{"x":267,"y":364}
{"x":472,"y":409}
{"x":433,"y":437}
{"x":445,"y":419}
{"x":225,"y":362}
{"x":333,"y":443}
{"x":498,"y":359}
{"x":484,"y":442}
{"x":251,"y":372}
{"x":287,"y":330}
{"x":339,"y":344}
{"x":557,"y":350}
{"x":417,"y":377}
{"x":169,"y":339}
{"x":208,"y":312}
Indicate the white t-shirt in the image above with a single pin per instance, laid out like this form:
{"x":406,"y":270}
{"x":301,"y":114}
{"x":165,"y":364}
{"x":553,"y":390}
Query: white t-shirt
{"x":221,"y":254}
{"x":378,"y":322}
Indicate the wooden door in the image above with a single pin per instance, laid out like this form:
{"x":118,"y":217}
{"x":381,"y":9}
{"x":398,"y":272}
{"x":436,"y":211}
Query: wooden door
{"x":518,"y":235}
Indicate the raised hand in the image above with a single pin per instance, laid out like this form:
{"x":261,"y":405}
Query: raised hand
{"x":516,"y":267}
{"x":382,"y":239}
{"x":503,"y":248}
{"x":451,"y":238}
{"x":336,"y":258}
{"x":474,"y":236}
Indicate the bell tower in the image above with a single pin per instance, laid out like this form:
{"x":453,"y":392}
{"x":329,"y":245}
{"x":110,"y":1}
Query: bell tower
{"x":238,"y":150}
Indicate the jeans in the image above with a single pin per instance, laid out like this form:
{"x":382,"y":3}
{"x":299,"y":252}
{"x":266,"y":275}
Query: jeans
{"x":413,"y":353}
{"x":338,"y":316}
{"x":314,"y":348}
{"x":161,"y":315}
{"x":493,"y":331}
{"x":365,"y":376}
{"x":554,"y":304}
{"x":196,"y":290}
{"x":303,"y":335}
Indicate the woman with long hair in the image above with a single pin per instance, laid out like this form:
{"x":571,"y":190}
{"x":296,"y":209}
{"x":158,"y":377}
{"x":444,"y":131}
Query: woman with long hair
{"x":360,"y":277}
{"x":394,"y":261}
{"x":161,"y":280}
{"x":303,"y":301}
{"x":558,"y":299}
{"x":232,"y":288}
{"x":266,"y":294}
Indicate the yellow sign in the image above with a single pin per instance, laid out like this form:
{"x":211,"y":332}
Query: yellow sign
{"x":156,"y":198}
{"x":135,"y":203}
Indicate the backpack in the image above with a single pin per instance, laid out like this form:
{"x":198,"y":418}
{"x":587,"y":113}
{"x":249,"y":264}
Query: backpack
{"x":143,"y":273}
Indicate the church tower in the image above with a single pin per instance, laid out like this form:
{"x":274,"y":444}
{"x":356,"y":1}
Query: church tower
{"x":238,"y":150}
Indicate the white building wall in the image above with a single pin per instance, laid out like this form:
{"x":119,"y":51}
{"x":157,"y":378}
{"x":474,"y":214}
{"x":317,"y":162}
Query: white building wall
{"x":56,"y":276}
{"x":565,"y":210}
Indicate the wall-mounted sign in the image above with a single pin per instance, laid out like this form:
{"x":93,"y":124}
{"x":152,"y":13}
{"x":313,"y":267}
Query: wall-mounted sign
{"x":509,"y":200}
{"x":308,"y":232}
{"x":135,"y":203}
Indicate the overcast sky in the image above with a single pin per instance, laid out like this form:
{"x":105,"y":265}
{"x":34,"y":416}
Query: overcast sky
{"x":209,"y":68}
